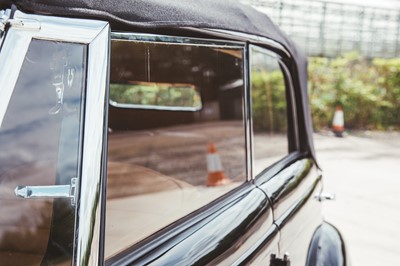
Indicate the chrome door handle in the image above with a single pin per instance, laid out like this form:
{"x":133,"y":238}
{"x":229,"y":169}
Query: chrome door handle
{"x":325,"y":196}
{"x":56,"y":191}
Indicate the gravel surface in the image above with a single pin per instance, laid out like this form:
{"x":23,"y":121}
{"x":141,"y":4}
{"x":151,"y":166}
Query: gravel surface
{"x":363,"y":169}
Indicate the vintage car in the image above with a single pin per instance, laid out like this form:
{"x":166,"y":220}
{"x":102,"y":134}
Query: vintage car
{"x":156,"y":132}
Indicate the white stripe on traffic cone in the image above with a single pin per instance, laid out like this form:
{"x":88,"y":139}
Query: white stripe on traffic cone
{"x":338,"y":122}
{"x":216,"y":175}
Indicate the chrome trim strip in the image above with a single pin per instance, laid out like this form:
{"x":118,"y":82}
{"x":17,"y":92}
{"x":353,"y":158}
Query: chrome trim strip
{"x":89,"y":213}
{"x":294,"y":105}
{"x":243,"y":37}
{"x":250,"y":110}
{"x":178,"y":40}
{"x":248,"y":122}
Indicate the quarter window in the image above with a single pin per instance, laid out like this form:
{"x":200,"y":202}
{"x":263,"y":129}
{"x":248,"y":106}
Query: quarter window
{"x":176,"y":133}
{"x":269,"y":109}
{"x":40,"y":146}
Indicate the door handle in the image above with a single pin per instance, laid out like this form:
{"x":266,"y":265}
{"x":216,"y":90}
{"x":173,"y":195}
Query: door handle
{"x":325,"y":196}
{"x":43,"y":192}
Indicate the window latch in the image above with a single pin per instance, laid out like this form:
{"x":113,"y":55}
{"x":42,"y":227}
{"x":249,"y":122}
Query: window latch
{"x":275,"y":261}
{"x":42,"y":192}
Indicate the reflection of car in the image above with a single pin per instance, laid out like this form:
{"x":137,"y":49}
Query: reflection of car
{"x":156,"y":132}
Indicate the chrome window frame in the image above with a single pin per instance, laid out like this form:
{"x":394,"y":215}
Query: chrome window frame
{"x":290,"y":88}
{"x":204,"y":42}
{"x":243,"y":37}
{"x":94,"y":34}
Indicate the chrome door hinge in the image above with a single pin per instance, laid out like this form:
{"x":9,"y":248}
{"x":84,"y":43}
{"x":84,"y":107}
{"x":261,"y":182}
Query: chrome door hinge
{"x":275,"y":261}
{"x":42,"y":192}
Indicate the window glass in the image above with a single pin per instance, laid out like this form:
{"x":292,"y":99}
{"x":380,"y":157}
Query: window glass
{"x":165,"y":164}
{"x":269,"y":110}
{"x":40,"y":146}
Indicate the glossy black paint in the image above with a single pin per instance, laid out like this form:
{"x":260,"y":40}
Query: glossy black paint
{"x":327,"y":247}
{"x":229,"y":231}
{"x":296,"y":213}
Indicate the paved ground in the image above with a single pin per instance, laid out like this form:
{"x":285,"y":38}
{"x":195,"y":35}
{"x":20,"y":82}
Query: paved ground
{"x":363,"y":169}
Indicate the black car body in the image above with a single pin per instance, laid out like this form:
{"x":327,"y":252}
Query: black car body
{"x":156,"y":132}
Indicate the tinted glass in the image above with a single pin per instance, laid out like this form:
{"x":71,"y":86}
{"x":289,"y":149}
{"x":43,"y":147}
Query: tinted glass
{"x":40,"y":146}
{"x":165,"y":164}
{"x":269,"y":109}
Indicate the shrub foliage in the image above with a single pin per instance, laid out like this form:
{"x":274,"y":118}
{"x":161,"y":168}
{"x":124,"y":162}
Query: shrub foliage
{"x":368,"y":91}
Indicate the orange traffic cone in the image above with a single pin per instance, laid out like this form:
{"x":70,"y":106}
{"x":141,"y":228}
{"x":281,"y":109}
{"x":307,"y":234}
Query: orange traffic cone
{"x":216,"y":175}
{"x":338,"y":122}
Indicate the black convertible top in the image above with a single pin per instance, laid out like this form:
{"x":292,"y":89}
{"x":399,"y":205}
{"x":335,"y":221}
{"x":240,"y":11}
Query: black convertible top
{"x":164,"y":15}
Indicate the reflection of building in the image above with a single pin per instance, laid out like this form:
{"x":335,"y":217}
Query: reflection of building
{"x":329,"y":29}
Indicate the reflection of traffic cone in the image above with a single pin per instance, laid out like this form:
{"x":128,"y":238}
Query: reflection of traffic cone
{"x":338,"y":122}
{"x":216,"y":175}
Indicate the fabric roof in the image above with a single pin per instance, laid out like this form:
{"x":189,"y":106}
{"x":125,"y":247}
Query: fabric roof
{"x":174,"y":15}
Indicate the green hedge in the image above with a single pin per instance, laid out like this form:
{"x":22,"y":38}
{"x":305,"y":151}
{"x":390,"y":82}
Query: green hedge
{"x":368,"y":91}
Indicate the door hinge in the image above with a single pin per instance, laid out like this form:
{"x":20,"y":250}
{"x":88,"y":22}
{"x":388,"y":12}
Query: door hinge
{"x":42,"y":192}
{"x":275,"y":261}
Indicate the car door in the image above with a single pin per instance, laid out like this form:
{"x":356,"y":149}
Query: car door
{"x":286,"y":174}
{"x":53,"y":73}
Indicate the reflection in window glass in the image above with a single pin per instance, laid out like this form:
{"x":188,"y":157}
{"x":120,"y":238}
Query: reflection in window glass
{"x":268,"y":109}
{"x":165,"y":164}
{"x":39,"y":144}
{"x":155,"y":94}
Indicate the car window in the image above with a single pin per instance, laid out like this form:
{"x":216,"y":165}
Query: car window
{"x":164,"y":163}
{"x":269,"y":109}
{"x":40,"y":146}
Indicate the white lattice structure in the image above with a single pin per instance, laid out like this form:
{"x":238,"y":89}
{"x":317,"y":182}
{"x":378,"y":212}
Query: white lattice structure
{"x":330,"y":29}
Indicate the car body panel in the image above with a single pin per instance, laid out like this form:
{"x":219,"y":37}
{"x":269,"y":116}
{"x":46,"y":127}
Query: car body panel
{"x":274,"y":212}
{"x":226,"y":233}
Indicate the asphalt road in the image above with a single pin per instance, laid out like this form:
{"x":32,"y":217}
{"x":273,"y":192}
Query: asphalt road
{"x":364,"y":171}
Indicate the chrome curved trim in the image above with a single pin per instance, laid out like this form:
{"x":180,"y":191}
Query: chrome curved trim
{"x":243,"y":37}
{"x":286,"y":73}
{"x":89,"y":212}
{"x":95,"y":34}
